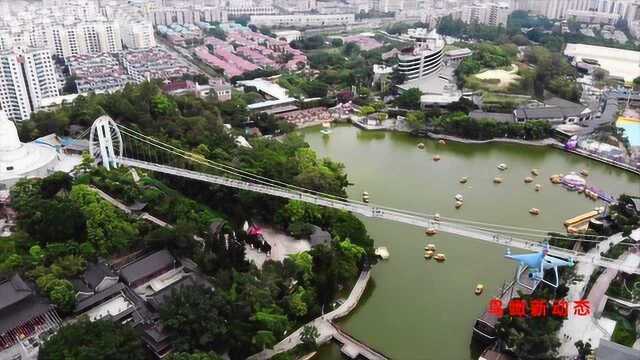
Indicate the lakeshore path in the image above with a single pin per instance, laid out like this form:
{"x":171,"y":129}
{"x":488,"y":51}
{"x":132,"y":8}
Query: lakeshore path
{"x":589,"y":328}
{"x":325,"y":326}
{"x":543,"y":142}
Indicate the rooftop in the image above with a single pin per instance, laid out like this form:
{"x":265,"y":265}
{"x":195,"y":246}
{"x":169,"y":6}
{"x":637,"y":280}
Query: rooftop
{"x":93,"y":300}
{"x":13,"y":291}
{"x":114,"y":308}
{"x":147,"y":266}
{"x":95,"y":273}
{"x":161,"y":297}
{"x":618,"y":62}
{"x":19,"y":303}
{"x":268,"y":87}
{"x":498,"y":117}
{"x":609,"y":350}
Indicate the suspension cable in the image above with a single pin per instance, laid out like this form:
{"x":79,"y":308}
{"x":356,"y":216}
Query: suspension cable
{"x":275,"y":183}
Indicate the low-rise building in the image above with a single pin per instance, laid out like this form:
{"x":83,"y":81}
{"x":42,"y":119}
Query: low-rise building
{"x":219,"y":87}
{"x":101,"y":72}
{"x":237,"y":11}
{"x":365,"y":43}
{"x":592,"y":17}
{"x":555,"y":111}
{"x":381,"y":72}
{"x":26,"y":319}
{"x":457,"y":54}
{"x":154,"y":63}
{"x":303,"y":20}
{"x":112,"y":303}
{"x":288,"y":35}
{"x":141,"y":271}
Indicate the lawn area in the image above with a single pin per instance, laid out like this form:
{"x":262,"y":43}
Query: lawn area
{"x":624,"y":333}
{"x":498,"y":78}
{"x":328,"y":50}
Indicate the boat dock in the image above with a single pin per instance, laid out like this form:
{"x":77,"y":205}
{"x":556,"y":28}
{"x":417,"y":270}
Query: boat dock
{"x":354,"y":348}
{"x":485,"y":326}
{"x":580,"y":223}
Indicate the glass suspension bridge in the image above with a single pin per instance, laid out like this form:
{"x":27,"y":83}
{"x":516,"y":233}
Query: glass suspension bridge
{"x":114,"y":145}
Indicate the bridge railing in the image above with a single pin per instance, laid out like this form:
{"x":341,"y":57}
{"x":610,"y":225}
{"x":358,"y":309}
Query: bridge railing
{"x":470,"y":231}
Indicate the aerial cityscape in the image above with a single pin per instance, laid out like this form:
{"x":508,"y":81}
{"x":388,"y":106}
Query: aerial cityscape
{"x":319,"y":179}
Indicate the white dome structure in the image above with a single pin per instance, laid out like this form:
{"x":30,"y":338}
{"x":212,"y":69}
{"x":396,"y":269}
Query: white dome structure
{"x":8,"y":134}
{"x":18,"y":160}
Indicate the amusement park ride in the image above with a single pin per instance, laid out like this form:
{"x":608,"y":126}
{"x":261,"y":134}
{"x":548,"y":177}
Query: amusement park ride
{"x":536,"y":264}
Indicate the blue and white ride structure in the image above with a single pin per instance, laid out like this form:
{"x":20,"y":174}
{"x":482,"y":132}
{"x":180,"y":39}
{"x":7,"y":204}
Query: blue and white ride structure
{"x":537,"y":264}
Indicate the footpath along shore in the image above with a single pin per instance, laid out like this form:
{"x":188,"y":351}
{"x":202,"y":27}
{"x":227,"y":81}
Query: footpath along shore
{"x":329,"y":331}
{"x":401,"y":127}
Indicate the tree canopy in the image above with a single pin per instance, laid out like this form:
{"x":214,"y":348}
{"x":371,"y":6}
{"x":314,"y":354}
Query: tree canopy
{"x":100,"y":340}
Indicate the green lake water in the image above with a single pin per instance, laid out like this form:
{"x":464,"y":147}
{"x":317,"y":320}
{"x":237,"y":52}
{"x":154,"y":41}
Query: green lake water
{"x":417,"y":309}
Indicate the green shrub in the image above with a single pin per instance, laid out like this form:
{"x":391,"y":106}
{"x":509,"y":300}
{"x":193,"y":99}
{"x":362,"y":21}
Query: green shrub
{"x":300,"y":229}
{"x":622,"y":335}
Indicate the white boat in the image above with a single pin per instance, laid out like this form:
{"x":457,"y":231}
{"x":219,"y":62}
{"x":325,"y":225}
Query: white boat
{"x":383,"y":252}
{"x":458,"y":197}
{"x":326,"y":128}
{"x":502,"y":166}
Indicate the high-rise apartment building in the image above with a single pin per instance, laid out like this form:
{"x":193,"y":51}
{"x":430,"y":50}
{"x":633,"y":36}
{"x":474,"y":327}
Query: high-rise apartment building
{"x":299,"y":5}
{"x":561,"y":9}
{"x":186,"y":15}
{"x":137,"y":34}
{"x":65,"y":38}
{"x":27,"y":76}
{"x":493,"y":14}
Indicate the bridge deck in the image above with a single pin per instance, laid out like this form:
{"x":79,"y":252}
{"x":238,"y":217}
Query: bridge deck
{"x":385,"y":213}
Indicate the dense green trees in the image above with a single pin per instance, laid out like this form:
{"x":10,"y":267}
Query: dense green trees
{"x":194,"y":315}
{"x":531,"y":338}
{"x":623,"y":215}
{"x":528,"y":337}
{"x":462,"y":125}
{"x":309,"y":42}
{"x":250,"y":308}
{"x":59,"y":228}
{"x":194,"y":356}
{"x":636,"y":83}
{"x":101,"y":340}
{"x":457,"y":28}
{"x":299,"y":86}
{"x":409,"y":99}
{"x":309,"y":336}
{"x":107,"y":228}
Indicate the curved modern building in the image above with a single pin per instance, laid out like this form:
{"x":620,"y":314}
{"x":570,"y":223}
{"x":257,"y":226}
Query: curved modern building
{"x":19,"y":160}
{"x":426,"y":57}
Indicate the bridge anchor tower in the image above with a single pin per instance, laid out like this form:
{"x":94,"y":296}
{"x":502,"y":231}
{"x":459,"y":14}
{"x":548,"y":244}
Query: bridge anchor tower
{"x":105,"y":142}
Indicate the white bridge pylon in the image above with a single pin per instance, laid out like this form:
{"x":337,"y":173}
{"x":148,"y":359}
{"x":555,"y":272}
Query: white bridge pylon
{"x":105,"y":142}
{"x":109,"y":151}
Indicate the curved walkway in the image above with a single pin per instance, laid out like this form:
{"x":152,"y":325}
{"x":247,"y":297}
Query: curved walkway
{"x":589,"y":328}
{"x":543,"y":142}
{"x":324,"y":324}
